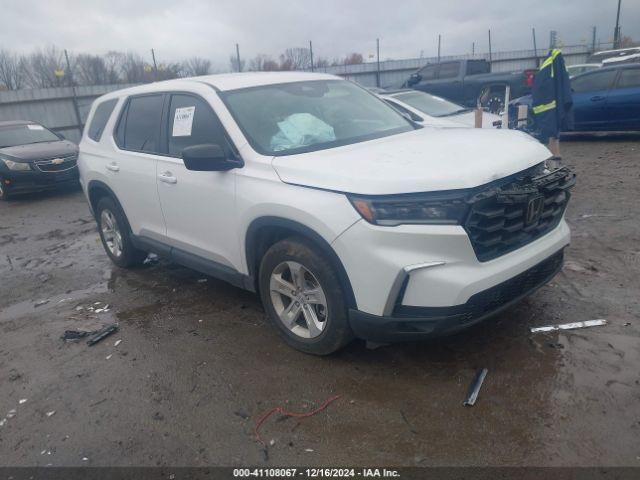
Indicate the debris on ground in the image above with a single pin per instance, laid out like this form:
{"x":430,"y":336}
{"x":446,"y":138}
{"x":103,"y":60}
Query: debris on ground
{"x":51,"y":413}
{"x":40,"y":303}
{"x":589,"y":215}
{"x":308,"y":449}
{"x":108,"y":356}
{"x":474,"y":388}
{"x":569,"y":326}
{"x":202,"y":280}
{"x":22,"y":400}
{"x":75,"y":334}
{"x":12,"y":413}
{"x":117,"y":342}
{"x":102,"y":334}
{"x":284,"y":412}
{"x":242,"y":414}
{"x":3,"y":422}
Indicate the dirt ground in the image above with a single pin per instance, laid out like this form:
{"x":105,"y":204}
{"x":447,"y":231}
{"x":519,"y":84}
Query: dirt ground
{"x":198,"y":364}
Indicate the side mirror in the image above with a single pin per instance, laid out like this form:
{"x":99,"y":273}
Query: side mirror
{"x":208,"y":157}
{"x":414,"y":78}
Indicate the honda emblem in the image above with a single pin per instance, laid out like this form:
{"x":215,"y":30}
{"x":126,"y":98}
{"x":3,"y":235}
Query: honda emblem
{"x":534,"y":209}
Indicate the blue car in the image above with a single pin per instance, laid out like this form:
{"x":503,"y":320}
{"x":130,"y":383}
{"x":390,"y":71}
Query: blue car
{"x":607,"y":99}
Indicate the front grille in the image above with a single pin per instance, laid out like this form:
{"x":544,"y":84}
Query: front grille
{"x":488,"y":301}
{"x":502,"y":219}
{"x":57,"y":164}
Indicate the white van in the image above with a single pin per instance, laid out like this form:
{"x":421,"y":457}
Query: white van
{"x":348,"y":219}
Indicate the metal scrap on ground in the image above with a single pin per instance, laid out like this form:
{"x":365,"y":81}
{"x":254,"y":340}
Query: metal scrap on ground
{"x":474,"y":388}
{"x":102,"y":334}
{"x":569,"y":326}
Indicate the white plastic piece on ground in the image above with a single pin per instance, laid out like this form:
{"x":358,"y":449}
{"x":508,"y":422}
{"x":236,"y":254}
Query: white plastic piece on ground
{"x":117,"y":343}
{"x":3,"y":422}
{"x":569,"y":326}
{"x":22,"y":400}
{"x":108,"y":356}
{"x":51,"y":413}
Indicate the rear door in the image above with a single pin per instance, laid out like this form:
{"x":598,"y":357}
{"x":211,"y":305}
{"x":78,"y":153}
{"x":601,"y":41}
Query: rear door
{"x":199,"y":207}
{"x":131,"y":171}
{"x":590,"y":92}
{"x":623,"y":102}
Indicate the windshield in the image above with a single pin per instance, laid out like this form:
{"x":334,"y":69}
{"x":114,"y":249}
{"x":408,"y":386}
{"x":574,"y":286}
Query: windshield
{"x":429,"y":104}
{"x":298,"y":117}
{"x":25,"y":134}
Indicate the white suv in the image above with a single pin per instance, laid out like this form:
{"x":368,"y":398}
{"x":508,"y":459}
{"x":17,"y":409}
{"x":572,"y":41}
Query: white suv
{"x":349,"y":220}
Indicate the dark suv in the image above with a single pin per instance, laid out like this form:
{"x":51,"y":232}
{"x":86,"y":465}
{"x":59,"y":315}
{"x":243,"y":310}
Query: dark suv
{"x":34,"y":158}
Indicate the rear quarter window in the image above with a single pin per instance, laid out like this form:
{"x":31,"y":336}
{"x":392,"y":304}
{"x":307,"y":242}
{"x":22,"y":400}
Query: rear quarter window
{"x":100,"y":119}
{"x":139,"y":125}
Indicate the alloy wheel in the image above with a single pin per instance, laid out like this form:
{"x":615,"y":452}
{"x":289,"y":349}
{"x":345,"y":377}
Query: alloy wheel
{"x":298,"y":299}
{"x":111,"y":232}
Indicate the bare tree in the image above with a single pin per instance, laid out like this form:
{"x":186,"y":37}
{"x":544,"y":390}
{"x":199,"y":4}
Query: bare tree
{"x":295,"y":59}
{"x":321,"y":62}
{"x":12,"y":70}
{"x":95,"y":70}
{"x":196,"y":66}
{"x":627,"y":42}
{"x":45,"y":68}
{"x":353,"y":59}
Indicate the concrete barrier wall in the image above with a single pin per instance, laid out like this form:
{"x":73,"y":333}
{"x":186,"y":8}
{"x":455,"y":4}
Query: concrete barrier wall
{"x":53,"y":107}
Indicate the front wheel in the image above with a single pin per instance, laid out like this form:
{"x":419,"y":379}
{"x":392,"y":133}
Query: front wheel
{"x":4,"y":193}
{"x":303,"y":298}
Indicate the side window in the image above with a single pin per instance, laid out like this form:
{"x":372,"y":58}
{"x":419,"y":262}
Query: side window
{"x":429,"y":72}
{"x":100,"y":119}
{"x":192,"y":122}
{"x":449,"y":70}
{"x":629,"y":78}
{"x":139,"y":126}
{"x":593,"y":82}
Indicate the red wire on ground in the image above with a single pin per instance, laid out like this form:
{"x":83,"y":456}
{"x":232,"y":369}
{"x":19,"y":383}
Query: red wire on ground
{"x":291,"y":414}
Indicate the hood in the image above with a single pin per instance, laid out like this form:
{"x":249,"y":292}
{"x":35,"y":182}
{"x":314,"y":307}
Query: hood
{"x":469,"y":119}
{"x":38,"y":151}
{"x":428,"y":159}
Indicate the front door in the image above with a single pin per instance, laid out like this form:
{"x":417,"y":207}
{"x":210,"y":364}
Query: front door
{"x":198,"y":207}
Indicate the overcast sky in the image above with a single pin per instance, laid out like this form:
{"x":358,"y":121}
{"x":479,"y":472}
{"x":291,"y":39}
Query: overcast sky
{"x":178,"y":29}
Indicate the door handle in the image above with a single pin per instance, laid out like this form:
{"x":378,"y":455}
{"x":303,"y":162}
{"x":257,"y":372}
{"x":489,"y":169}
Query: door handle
{"x":597,"y":98}
{"x":113,"y":167}
{"x":167,"y":177}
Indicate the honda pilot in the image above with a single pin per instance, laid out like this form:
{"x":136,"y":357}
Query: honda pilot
{"x":344,"y":216}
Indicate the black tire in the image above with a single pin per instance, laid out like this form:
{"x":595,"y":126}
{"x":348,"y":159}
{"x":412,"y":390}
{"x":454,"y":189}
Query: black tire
{"x":336,"y":332}
{"x":494,"y":101}
{"x":4,"y":191}
{"x":129,"y":256}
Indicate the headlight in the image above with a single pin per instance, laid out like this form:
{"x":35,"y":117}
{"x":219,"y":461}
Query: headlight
{"x":392,"y":210}
{"x":16,"y":166}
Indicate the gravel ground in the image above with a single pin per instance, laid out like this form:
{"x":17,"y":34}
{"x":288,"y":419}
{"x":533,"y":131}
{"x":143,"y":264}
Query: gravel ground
{"x":197,"y":364}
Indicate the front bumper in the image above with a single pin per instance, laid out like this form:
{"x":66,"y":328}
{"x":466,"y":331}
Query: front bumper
{"x":415,"y":323}
{"x":33,"y":181}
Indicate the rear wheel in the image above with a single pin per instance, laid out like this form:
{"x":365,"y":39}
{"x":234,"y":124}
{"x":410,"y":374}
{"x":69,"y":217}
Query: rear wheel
{"x":116,"y":236}
{"x":303,"y":297}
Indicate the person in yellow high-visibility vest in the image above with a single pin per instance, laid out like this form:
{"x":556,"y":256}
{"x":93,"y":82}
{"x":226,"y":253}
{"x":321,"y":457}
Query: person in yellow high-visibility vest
{"x":552,"y":101}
